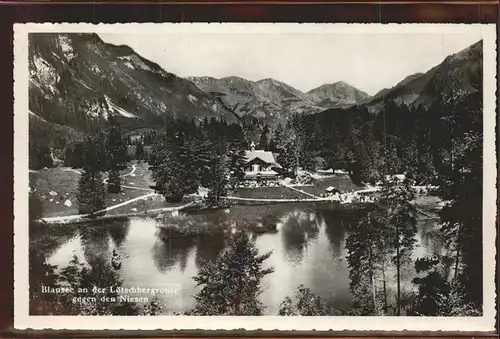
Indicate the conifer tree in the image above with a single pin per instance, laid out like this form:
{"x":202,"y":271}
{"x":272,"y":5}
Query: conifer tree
{"x":231,"y":285}
{"x":263,"y":142}
{"x":116,"y":150}
{"x":401,"y":224}
{"x":306,"y":304}
{"x":91,"y":192}
{"x":368,"y":249}
{"x":461,"y":183}
{"x":39,"y":154}
{"x":173,"y":167}
{"x":139,"y":151}
{"x":237,"y":156}
{"x":220,"y":180}
{"x":114,"y":181}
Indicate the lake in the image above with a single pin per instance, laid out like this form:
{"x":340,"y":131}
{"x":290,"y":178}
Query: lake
{"x":308,"y":247}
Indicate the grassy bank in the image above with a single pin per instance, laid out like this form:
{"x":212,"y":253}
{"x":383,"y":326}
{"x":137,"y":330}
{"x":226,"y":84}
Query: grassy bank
{"x":269,"y":193}
{"x":182,"y":225}
{"x":341,"y":181}
{"x":57,"y":186}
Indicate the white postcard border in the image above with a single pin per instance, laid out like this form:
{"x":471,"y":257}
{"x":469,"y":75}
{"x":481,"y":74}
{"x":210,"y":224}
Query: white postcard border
{"x":22,"y":319}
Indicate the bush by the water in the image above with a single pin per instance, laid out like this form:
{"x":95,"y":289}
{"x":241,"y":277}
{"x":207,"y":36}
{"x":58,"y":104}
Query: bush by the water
{"x":183,"y":225}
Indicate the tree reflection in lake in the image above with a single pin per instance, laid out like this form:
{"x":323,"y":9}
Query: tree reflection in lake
{"x":95,"y":242}
{"x":118,"y":231}
{"x":173,"y":251}
{"x":298,"y":229}
{"x":208,"y":248}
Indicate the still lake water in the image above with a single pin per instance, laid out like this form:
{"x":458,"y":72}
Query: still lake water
{"x":308,"y":248}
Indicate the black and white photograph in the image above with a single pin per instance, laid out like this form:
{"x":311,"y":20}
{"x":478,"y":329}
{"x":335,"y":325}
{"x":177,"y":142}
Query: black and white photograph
{"x":255,"y":173}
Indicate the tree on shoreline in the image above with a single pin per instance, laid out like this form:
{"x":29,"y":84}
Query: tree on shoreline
{"x":116,"y":151}
{"x":231,"y":285}
{"x":384,"y":236}
{"x":401,"y":223}
{"x":172,"y":166}
{"x":91,"y":195}
{"x":307,"y":304}
{"x":139,"y":151}
{"x":368,"y":252}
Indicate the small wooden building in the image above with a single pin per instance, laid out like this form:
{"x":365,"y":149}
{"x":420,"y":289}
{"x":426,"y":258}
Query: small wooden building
{"x":260,"y":164}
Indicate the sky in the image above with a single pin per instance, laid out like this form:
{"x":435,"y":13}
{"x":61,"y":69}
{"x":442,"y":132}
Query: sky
{"x":369,"y":62}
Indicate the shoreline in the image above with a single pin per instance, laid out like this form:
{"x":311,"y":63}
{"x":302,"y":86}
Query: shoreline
{"x":230,"y":201}
{"x":194,"y":206}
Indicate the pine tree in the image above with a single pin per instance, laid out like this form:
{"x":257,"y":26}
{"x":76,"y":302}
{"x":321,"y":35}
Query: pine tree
{"x":368,"y":250}
{"x":307,"y":304}
{"x":401,"y":224}
{"x":116,"y":150}
{"x":277,"y":139}
{"x":263,"y":142}
{"x":116,"y":147}
{"x":100,"y":145}
{"x":114,"y":181}
{"x":231,"y":285}
{"x":39,"y":154}
{"x":91,"y":195}
{"x":290,"y":145}
{"x":91,"y":192}
{"x":220,"y":181}
{"x":139,"y":151}
{"x":437,"y":295}
{"x":173,"y":167}
{"x":237,"y":157}
{"x":461,"y":183}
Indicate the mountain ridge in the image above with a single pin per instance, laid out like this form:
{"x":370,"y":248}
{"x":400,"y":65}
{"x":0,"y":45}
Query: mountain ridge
{"x":267,"y":98}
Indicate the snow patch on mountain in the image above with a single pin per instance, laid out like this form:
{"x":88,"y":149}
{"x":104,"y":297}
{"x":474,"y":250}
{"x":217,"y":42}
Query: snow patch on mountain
{"x":65,"y":45}
{"x":43,"y":74}
{"x":134,"y":62}
{"x":98,"y":110}
{"x":117,"y":109}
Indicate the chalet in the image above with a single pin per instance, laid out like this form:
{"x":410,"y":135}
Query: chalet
{"x":260,"y":164}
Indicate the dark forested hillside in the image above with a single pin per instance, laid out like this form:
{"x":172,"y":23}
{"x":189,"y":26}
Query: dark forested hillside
{"x":419,"y":137}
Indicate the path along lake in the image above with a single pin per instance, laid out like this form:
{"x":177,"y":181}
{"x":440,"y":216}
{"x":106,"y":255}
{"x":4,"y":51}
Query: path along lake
{"x":308,"y":248}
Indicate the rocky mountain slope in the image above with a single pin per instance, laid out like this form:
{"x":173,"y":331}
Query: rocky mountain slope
{"x":458,"y":73}
{"x":77,"y":80}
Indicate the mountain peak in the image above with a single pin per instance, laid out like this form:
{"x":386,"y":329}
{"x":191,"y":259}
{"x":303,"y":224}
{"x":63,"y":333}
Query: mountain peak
{"x":336,"y":93}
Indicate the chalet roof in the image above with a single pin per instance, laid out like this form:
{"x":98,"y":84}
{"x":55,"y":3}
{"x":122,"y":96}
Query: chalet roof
{"x":265,"y":156}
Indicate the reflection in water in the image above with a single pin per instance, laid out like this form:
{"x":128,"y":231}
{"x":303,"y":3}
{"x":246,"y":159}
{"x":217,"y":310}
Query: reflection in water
{"x":173,"y":251}
{"x":308,"y":249}
{"x":118,"y":231}
{"x":209,"y":248}
{"x":335,"y":232}
{"x":298,"y":230}
{"x":95,"y":243}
